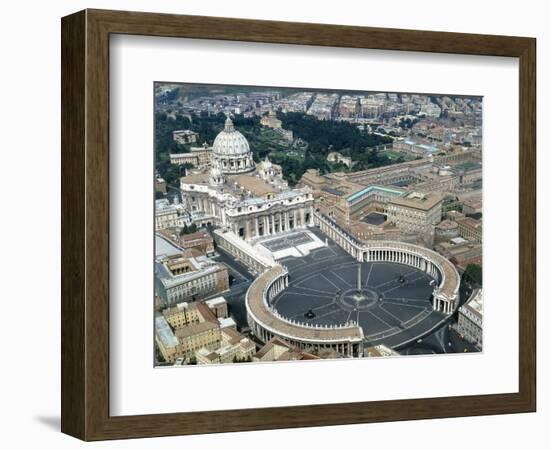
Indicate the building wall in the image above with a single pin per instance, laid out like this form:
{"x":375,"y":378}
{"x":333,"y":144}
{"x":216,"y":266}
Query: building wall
{"x":413,"y":219}
{"x":470,"y":322}
{"x":470,"y":229}
{"x":210,"y":339}
{"x":167,"y":219}
{"x":202,"y":286}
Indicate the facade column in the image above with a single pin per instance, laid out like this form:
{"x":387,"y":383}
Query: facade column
{"x":247,"y":230}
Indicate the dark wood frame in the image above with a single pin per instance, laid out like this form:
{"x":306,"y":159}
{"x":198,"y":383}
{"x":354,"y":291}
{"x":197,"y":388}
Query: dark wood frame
{"x":85,"y":224}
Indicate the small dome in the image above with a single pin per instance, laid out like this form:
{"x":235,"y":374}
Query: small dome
{"x":266,"y":163}
{"x":216,"y":176}
{"x":230,"y":142}
{"x":215,"y":172}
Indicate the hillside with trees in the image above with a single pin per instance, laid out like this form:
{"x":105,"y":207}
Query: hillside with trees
{"x":320,"y":137}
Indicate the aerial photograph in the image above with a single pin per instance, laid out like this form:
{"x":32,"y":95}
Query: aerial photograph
{"x":296,"y":224}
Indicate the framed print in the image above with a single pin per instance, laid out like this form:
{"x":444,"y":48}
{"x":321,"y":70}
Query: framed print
{"x":273,"y":225}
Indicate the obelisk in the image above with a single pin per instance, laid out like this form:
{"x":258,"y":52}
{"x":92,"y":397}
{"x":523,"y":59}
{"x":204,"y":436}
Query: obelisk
{"x":359,"y":277}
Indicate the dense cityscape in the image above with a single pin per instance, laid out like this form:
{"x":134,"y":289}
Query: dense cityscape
{"x":300,"y":224}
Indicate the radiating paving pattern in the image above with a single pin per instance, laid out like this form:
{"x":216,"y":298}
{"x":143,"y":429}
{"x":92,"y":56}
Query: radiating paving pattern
{"x":393,"y":304}
{"x":287,"y":241}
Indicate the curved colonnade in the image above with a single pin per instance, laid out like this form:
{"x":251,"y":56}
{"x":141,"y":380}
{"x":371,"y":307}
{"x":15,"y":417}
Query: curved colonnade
{"x":445,"y":294}
{"x":346,"y":339}
{"x":266,"y":323}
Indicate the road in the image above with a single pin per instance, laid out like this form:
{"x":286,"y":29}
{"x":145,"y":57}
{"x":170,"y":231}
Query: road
{"x":444,"y":340}
{"x":241,"y":278}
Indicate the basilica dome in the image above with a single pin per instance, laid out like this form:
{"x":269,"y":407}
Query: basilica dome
{"x":231,"y":151}
{"x":230,"y":142}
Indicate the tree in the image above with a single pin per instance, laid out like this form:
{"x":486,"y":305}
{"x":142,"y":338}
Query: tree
{"x":474,"y":274}
{"x":188,"y":229}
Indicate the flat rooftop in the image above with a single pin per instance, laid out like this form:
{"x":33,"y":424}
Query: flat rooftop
{"x":418,"y":200}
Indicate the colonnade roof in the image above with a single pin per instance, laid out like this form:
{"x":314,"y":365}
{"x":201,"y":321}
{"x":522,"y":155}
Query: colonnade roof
{"x":260,"y":311}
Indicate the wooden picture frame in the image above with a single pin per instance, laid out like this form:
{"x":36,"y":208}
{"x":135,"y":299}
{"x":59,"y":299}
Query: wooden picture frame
{"x":85,"y":224}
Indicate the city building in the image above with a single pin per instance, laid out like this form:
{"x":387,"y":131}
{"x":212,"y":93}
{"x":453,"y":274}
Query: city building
{"x":234,"y":347}
{"x":472,"y":206}
{"x":337,"y":157}
{"x":168,"y":215}
{"x":277,"y":349}
{"x":203,"y":154}
{"x":179,"y":278}
{"x":415,"y":212}
{"x":470,"y":228}
{"x":270,"y":120}
{"x":381,"y":350}
{"x":191,"y":338}
{"x":185,"y":136}
{"x":184,"y":341}
{"x":160,"y":185}
{"x":470,"y":319}
{"x":218,"y":305}
{"x":189,"y":313}
{"x":445,"y":230}
{"x":199,"y":157}
{"x":430,"y":110}
{"x":461,"y":251}
{"x":200,"y":240}
{"x":201,"y":330}
{"x":323,"y":106}
{"x":184,"y":158}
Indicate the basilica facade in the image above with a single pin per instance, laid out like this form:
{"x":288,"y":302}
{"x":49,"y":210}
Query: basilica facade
{"x":251,"y":200}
